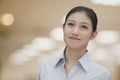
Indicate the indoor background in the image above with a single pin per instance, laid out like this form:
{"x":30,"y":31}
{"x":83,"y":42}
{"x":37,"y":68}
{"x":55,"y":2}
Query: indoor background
{"x":31,"y":33}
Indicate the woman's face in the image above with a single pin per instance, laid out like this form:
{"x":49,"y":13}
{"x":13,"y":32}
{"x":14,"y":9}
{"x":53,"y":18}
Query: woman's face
{"x":78,"y":30}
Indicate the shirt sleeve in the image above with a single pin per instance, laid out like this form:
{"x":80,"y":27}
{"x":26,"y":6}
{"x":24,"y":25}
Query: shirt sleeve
{"x":38,"y":76}
{"x":42,"y":74}
{"x":109,"y":77}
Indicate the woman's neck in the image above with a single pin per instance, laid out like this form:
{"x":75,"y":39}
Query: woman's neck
{"x":72,"y":55}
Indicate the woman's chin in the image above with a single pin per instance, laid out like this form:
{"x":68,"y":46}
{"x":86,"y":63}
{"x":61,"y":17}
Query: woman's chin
{"x":73,"y":46}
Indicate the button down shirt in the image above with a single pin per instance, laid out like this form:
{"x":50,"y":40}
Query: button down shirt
{"x":83,"y":69}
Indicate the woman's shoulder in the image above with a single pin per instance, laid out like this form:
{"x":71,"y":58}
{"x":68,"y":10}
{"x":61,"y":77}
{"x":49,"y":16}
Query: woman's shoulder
{"x":49,"y":62}
{"x":97,"y":70}
{"x":97,"y":67}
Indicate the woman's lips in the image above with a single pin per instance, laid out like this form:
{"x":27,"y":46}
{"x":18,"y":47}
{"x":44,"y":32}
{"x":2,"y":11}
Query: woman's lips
{"x":74,"y":38}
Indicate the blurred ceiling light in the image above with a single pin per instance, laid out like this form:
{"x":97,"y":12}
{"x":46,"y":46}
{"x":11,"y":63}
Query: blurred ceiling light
{"x":29,"y":52}
{"x":57,"y":34}
{"x":107,"y":2}
{"x":19,"y":58}
{"x":116,"y":49}
{"x":116,"y":52}
{"x":7,"y":19}
{"x":42,"y":43}
{"x":23,"y":55}
{"x":101,"y":55}
{"x":108,"y":37}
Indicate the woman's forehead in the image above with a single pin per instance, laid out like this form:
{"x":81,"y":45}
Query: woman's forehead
{"x":79,"y":16}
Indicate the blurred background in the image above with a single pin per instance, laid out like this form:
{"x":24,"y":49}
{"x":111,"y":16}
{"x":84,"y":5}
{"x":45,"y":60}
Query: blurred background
{"x":31,"y":33}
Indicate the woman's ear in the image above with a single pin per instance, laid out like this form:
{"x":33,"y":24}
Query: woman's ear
{"x":94,"y":34}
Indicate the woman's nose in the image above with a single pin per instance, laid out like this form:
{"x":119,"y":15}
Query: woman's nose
{"x":75,"y":32}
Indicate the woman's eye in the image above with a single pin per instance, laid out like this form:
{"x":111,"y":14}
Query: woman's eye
{"x":70,"y":24}
{"x":84,"y":27}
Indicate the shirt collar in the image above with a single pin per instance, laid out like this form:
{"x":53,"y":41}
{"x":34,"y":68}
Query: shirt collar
{"x":84,"y":61}
{"x":60,"y":59}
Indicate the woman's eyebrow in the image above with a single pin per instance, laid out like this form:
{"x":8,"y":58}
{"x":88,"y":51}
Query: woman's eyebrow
{"x":72,"y":20}
{"x":80,"y":22}
{"x":85,"y":23}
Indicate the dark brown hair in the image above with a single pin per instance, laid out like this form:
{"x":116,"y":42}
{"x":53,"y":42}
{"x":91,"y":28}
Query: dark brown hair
{"x":90,"y":13}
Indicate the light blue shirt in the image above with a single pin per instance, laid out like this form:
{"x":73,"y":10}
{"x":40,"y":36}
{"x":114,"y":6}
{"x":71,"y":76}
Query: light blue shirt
{"x":84,"y":69}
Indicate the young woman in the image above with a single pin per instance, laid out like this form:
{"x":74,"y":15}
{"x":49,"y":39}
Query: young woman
{"x":75,"y":64}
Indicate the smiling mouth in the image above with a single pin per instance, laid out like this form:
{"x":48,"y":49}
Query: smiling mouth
{"x":74,"y":38}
